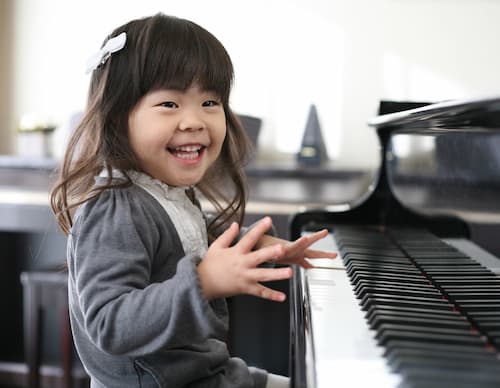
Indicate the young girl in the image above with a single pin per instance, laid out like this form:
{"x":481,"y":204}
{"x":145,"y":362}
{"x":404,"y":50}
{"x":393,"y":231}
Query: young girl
{"x":148,"y":271}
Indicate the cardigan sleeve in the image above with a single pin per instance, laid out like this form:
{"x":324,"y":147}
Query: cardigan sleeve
{"x":136,"y":290}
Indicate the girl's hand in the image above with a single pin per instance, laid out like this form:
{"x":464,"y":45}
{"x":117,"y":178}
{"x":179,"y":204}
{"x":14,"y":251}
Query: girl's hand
{"x":231,"y":270}
{"x":297,"y":251}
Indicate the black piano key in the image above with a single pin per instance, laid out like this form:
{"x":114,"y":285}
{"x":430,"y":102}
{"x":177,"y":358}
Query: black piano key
{"x":443,"y":353}
{"x":476,"y":305}
{"x":489,"y":322}
{"x":477,"y":269}
{"x":456,"y":322}
{"x":374,"y":251}
{"x":426,"y":241}
{"x":385,"y":271}
{"x":414,"y":328}
{"x":471,"y":349}
{"x":416,"y":255}
{"x":378,"y":264}
{"x":447,"y":261}
{"x":421,"y":287}
{"x":439,"y":316}
{"x":430,"y":293}
{"x":483,"y":295}
{"x":495,"y":340}
{"x":483,"y":314}
{"x":472,"y":377}
{"x":421,"y":284}
{"x":473,"y":288}
{"x":424,"y":251}
{"x":444,"y":281}
{"x":488,"y":278}
{"x":402,"y":362}
{"x":410,"y":310}
{"x":436,"y":321}
{"x":375,"y":256}
{"x":351,"y":259}
{"x":379,"y":294}
{"x":429,"y":338}
{"x":463,"y":273}
{"x":432,"y":304}
{"x":428,"y":248}
{"x":427,"y":363}
{"x":466,"y":262}
{"x":422,"y":380}
{"x":494,"y":333}
{"x":399,"y":277}
{"x":491,"y":331}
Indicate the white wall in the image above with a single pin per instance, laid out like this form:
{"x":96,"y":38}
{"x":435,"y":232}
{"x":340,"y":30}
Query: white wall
{"x":342,"y":55}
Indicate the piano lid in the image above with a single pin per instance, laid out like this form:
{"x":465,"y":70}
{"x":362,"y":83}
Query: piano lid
{"x":444,"y":158}
{"x":473,"y":114}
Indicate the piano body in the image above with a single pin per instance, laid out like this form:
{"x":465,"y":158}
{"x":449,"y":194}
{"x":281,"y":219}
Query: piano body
{"x":411,"y":301}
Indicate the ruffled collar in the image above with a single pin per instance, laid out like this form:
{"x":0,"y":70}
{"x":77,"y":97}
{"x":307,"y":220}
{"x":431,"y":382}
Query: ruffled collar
{"x":173,"y":193}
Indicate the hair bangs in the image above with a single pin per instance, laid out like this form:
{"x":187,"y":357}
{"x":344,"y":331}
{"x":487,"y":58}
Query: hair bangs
{"x":178,"y":57}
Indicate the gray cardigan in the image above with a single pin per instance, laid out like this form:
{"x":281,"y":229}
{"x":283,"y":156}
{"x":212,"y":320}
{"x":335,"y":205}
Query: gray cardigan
{"x":138,"y":315}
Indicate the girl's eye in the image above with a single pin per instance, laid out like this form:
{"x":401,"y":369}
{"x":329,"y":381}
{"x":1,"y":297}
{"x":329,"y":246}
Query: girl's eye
{"x":169,"y":104}
{"x":211,"y":103}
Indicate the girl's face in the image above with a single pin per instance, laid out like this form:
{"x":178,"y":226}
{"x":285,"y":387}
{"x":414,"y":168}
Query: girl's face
{"x":177,"y":135}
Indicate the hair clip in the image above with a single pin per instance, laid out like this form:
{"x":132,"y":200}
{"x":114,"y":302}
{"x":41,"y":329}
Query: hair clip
{"x":112,"y":46}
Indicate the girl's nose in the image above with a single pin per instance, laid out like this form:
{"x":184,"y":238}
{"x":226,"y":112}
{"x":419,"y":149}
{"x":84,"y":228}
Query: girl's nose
{"x":191,"y":121}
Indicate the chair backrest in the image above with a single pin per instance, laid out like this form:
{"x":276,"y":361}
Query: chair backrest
{"x":45,"y":292}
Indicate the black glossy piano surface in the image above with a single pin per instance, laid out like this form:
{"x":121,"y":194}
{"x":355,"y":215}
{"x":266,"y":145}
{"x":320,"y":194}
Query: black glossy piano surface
{"x":412,"y":301}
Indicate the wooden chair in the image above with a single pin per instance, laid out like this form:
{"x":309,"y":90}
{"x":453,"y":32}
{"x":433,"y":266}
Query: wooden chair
{"x":44,"y":293}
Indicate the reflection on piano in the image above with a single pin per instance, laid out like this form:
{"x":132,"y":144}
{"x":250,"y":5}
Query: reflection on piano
{"x":412,"y":302}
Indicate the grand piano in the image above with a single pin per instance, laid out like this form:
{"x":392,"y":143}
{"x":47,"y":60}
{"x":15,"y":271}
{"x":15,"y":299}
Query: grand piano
{"x":412,"y":301}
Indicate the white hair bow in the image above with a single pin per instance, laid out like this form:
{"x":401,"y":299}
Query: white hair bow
{"x":112,"y":46}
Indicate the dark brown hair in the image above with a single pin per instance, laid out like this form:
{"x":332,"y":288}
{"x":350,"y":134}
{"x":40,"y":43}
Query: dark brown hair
{"x":160,"y":52}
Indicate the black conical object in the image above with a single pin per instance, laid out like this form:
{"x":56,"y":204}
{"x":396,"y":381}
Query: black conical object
{"x":312,"y":150}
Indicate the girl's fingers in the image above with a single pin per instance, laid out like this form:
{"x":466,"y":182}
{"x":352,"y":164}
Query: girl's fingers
{"x":226,"y":238}
{"x":300,"y":246}
{"x":306,"y":241}
{"x":305,"y":264}
{"x":267,"y":293}
{"x":249,"y":240}
{"x":271,"y":274}
{"x":295,"y":248}
{"x":312,"y":238}
{"x":317,"y":236}
{"x":315,"y":254}
{"x":269,"y":253}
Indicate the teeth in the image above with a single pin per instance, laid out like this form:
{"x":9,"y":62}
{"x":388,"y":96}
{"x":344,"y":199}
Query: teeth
{"x":187,"y":151}
{"x":188,"y":148}
{"x":192,"y":155}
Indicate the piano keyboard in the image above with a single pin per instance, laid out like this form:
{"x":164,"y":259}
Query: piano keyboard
{"x":401,"y":308}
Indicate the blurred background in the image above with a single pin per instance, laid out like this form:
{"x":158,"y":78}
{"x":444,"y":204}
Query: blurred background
{"x":343,"y":56}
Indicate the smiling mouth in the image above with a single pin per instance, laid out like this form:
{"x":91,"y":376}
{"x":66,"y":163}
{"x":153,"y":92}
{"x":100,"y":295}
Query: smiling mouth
{"x":187,"y":152}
